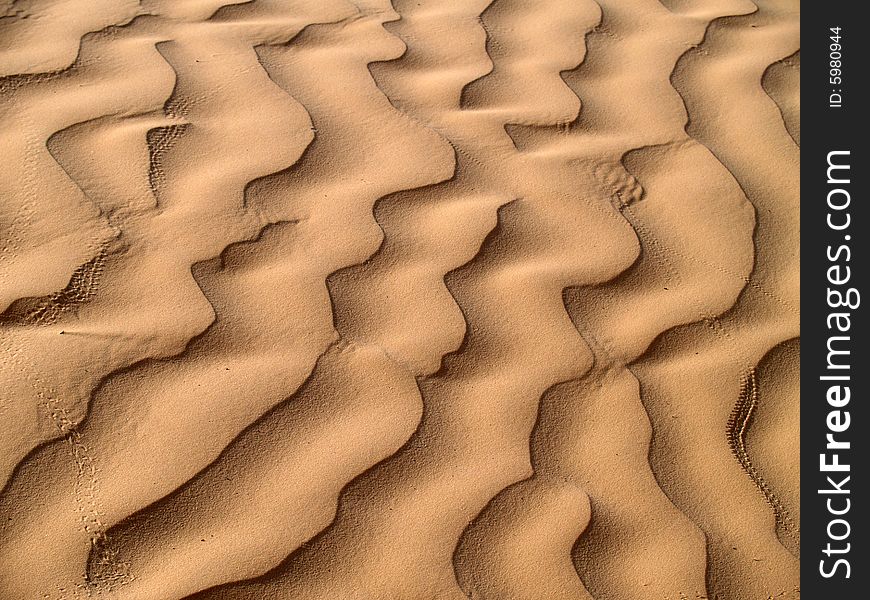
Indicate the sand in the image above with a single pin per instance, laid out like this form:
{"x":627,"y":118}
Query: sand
{"x":430,"y":300}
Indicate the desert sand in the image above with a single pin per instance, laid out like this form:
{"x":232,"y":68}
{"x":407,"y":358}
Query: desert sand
{"x":430,"y":300}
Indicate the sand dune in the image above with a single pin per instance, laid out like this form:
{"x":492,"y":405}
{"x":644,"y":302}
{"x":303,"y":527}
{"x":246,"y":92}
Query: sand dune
{"x":354,"y":299}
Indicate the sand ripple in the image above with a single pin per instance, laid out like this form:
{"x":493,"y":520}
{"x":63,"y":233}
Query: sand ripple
{"x":354,"y":299}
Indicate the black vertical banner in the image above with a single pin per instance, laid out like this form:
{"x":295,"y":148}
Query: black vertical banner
{"x":834,"y":258}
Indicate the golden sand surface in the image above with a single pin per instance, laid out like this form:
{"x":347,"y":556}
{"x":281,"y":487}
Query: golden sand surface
{"x":421,"y":300}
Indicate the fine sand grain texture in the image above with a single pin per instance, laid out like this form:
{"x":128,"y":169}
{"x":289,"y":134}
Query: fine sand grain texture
{"x":421,"y":300}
